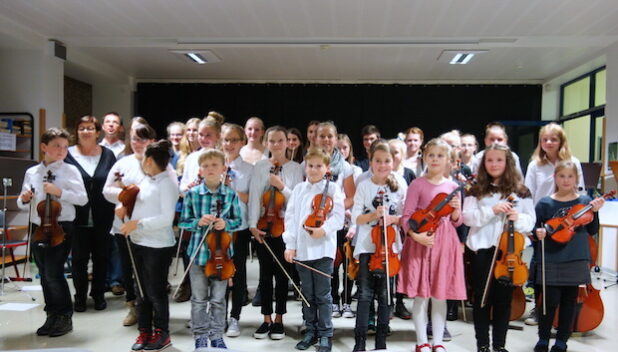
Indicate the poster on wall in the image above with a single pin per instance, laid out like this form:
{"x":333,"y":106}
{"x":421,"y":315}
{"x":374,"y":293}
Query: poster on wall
{"x":8,"y":141}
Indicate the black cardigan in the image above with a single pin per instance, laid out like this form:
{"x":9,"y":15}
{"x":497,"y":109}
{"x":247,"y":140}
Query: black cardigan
{"x":102,"y":210}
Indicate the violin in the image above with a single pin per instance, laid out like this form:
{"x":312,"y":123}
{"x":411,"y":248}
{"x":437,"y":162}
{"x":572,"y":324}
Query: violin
{"x":383,"y":258}
{"x":562,"y":229}
{"x":50,"y":233}
{"x":128,"y":195}
{"x":322,"y":205}
{"x":353,"y":263}
{"x":428,"y":219}
{"x":510,"y":269}
{"x":272,"y":200}
{"x":219,"y":266}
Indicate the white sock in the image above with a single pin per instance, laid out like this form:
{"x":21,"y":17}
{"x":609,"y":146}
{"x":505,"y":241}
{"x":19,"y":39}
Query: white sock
{"x":438,"y":319}
{"x":419,"y":315}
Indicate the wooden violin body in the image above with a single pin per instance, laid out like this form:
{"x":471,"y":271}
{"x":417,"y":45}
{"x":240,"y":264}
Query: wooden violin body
{"x":272,"y":200}
{"x":383,"y":257}
{"x":322,"y":205}
{"x":562,"y":229}
{"x":510,"y":268}
{"x":50,"y":233}
{"x":352,"y":262}
{"x":219,"y":266}
{"x":128,"y":194}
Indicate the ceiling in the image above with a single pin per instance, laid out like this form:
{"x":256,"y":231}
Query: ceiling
{"x":320,"y":40}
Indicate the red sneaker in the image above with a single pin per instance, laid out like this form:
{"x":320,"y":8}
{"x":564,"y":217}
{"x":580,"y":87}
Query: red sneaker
{"x":158,"y":341}
{"x":142,"y":339}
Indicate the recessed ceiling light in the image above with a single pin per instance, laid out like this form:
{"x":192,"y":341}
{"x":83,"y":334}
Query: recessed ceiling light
{"x":197,"y":58}
{"x":458,"y":57}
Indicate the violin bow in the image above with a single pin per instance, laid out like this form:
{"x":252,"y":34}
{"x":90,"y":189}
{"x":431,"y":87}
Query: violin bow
{"x":180,"y":233}
{"x":543,"y":270}
{"x":493,"y":265}
{"x":197,"y":250}
{"x":27,"y":260}
{"x":386,"y":249}
{"x":285,"y":272}
{"x":312,"y":269}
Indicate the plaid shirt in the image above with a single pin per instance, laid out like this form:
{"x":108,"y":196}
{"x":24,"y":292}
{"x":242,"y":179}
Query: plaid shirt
{"x":199,"y":201}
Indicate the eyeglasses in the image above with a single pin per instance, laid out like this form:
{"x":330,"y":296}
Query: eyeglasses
{"x":231,"y":140}
{"x":139,"y":140}
{"x":89,"y":129}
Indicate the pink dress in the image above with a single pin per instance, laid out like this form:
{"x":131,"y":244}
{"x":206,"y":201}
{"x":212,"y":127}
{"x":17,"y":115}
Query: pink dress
{"x":436,"y":272}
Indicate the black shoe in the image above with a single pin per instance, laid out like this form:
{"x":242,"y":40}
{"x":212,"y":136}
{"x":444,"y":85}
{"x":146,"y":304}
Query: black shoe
{"x":184,"y":293}
{"x":483,"y":349}
{"x":401,"y":311}
{"x":142,"y":340}
{"x":262,"y":331}
{"x":79,"y":305}
{"x":500,"y":349}
{"x":257,"y":299}
{"x":555,"y":348}
{"x":277,"y":332}
{"x":246,"y":300}
{"x":452,"y":312}
{"x":308,"y":341}
{"x":326,"y":344}
{"x":99,"y":302}
{"x":158,"y":341}
{"x":360,"y":339}
{"x":62,"y":325}
{"x":49,"y":322}
{"x":541,"y":348}
{"x":381,"y":336}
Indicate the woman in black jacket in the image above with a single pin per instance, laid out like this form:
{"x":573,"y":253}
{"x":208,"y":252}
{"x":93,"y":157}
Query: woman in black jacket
{"x":93,"y":221}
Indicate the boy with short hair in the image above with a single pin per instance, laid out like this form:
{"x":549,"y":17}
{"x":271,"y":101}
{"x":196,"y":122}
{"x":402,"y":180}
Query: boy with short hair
{"x":370,"y":134}
{"x":314,"y":247}
{"x":199,"y":211}
{"x":64,"y":183}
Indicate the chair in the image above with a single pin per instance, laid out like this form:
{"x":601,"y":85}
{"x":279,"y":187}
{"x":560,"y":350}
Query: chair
{"x":6,"y":243}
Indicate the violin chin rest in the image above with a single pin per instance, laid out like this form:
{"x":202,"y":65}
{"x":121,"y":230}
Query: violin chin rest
{"x":550,"y":230}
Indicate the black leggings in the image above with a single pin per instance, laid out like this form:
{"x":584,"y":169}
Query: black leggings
{"x":269,"y":269}
{"x":346,"y":293}
{"x":239,"y":289}
{"x":565,"y":297}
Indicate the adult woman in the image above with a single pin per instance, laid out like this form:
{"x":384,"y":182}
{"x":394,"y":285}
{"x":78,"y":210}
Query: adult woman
{"x":93,"y":221}
{"x":253,"y":151}
{"x":414,"y":141}
{"x":175,"y":132}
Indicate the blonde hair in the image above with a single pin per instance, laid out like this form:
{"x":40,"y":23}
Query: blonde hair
{"x":564,"y":152}
{"x":342,"y":137}
{"x":382,"y":145}
{"x":211,"y":153}
{"x":175,"y":124}
{"x":566,"y":165}
{"x":438,"y":143}
{"x":315,"y":152}
{"x":185,"y":146}
{"x":235,"y":128}
{"x":327,"y":124}
{"x":396,"y":143}
{"x":213,"y":120}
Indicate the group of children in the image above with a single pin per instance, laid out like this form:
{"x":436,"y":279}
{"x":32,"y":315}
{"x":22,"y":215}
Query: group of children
{"x":222,"y":191}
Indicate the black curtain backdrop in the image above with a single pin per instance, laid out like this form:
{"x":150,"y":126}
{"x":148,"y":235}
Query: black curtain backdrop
{"x":392,"y":108}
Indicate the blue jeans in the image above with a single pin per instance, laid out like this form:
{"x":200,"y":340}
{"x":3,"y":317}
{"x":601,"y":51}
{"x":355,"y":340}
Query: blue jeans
{"x":207,"y":322}
{"x":316,"y":289}
{"x":114,"y":267}
{"x":370,"y":284}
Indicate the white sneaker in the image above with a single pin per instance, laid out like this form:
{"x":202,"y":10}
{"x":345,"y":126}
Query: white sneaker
{"x":336,"y":311}
{"x":232,"y":328}
{"x":532,"y":319}
{"x":347,"y":311}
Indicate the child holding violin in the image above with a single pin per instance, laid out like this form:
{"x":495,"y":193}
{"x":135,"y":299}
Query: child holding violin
{"x":237,"y":177}
{"x":317,"y":201}
{"x":209,"y":204}
{"x":51,"y":184}
{"x":272,"y":178}
{"x":566,"y":264}
{"x":432,"y":263}
{"x":378,"y":204}
{"x":487,"y":210}
{"x":152,"y":237}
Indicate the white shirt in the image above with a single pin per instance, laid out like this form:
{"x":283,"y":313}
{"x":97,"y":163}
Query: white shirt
{"x":87,"y":162}
{"x":241,"y":179}
{"x":486,"y":227}
{"x":291,"y":174}
{"x":476,"y":160}
{"x":346,"y":172}
{"x":540,"y":179}
{"x":68,"y":179}
{"x":366,"y":192}
{"x":191,"y":169}
{"x":131,"y":168}
{"x":299,"y":207}
{"x":117,"y":147}
{"x":155,"y":208}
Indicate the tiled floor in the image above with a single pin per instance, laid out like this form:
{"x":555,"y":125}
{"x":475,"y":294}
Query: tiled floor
{"x":103,"y":330}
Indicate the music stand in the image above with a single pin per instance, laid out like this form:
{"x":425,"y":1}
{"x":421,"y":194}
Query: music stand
{"x":592,"y":172}
{"x":6,"y":183}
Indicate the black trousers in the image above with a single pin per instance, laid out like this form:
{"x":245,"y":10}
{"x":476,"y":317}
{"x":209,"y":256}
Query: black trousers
{"x":370,"y":284}
{"x":498,"y":309}
{"x":153,"y":267}
{"x":346,"y":293}
{"x":565,"y":297}
{"x":127,"y":267}
{"x":269,"y":269}
{"x":50,"y":261}
{"x":90,"y":242}
{"x":239,"y":289}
